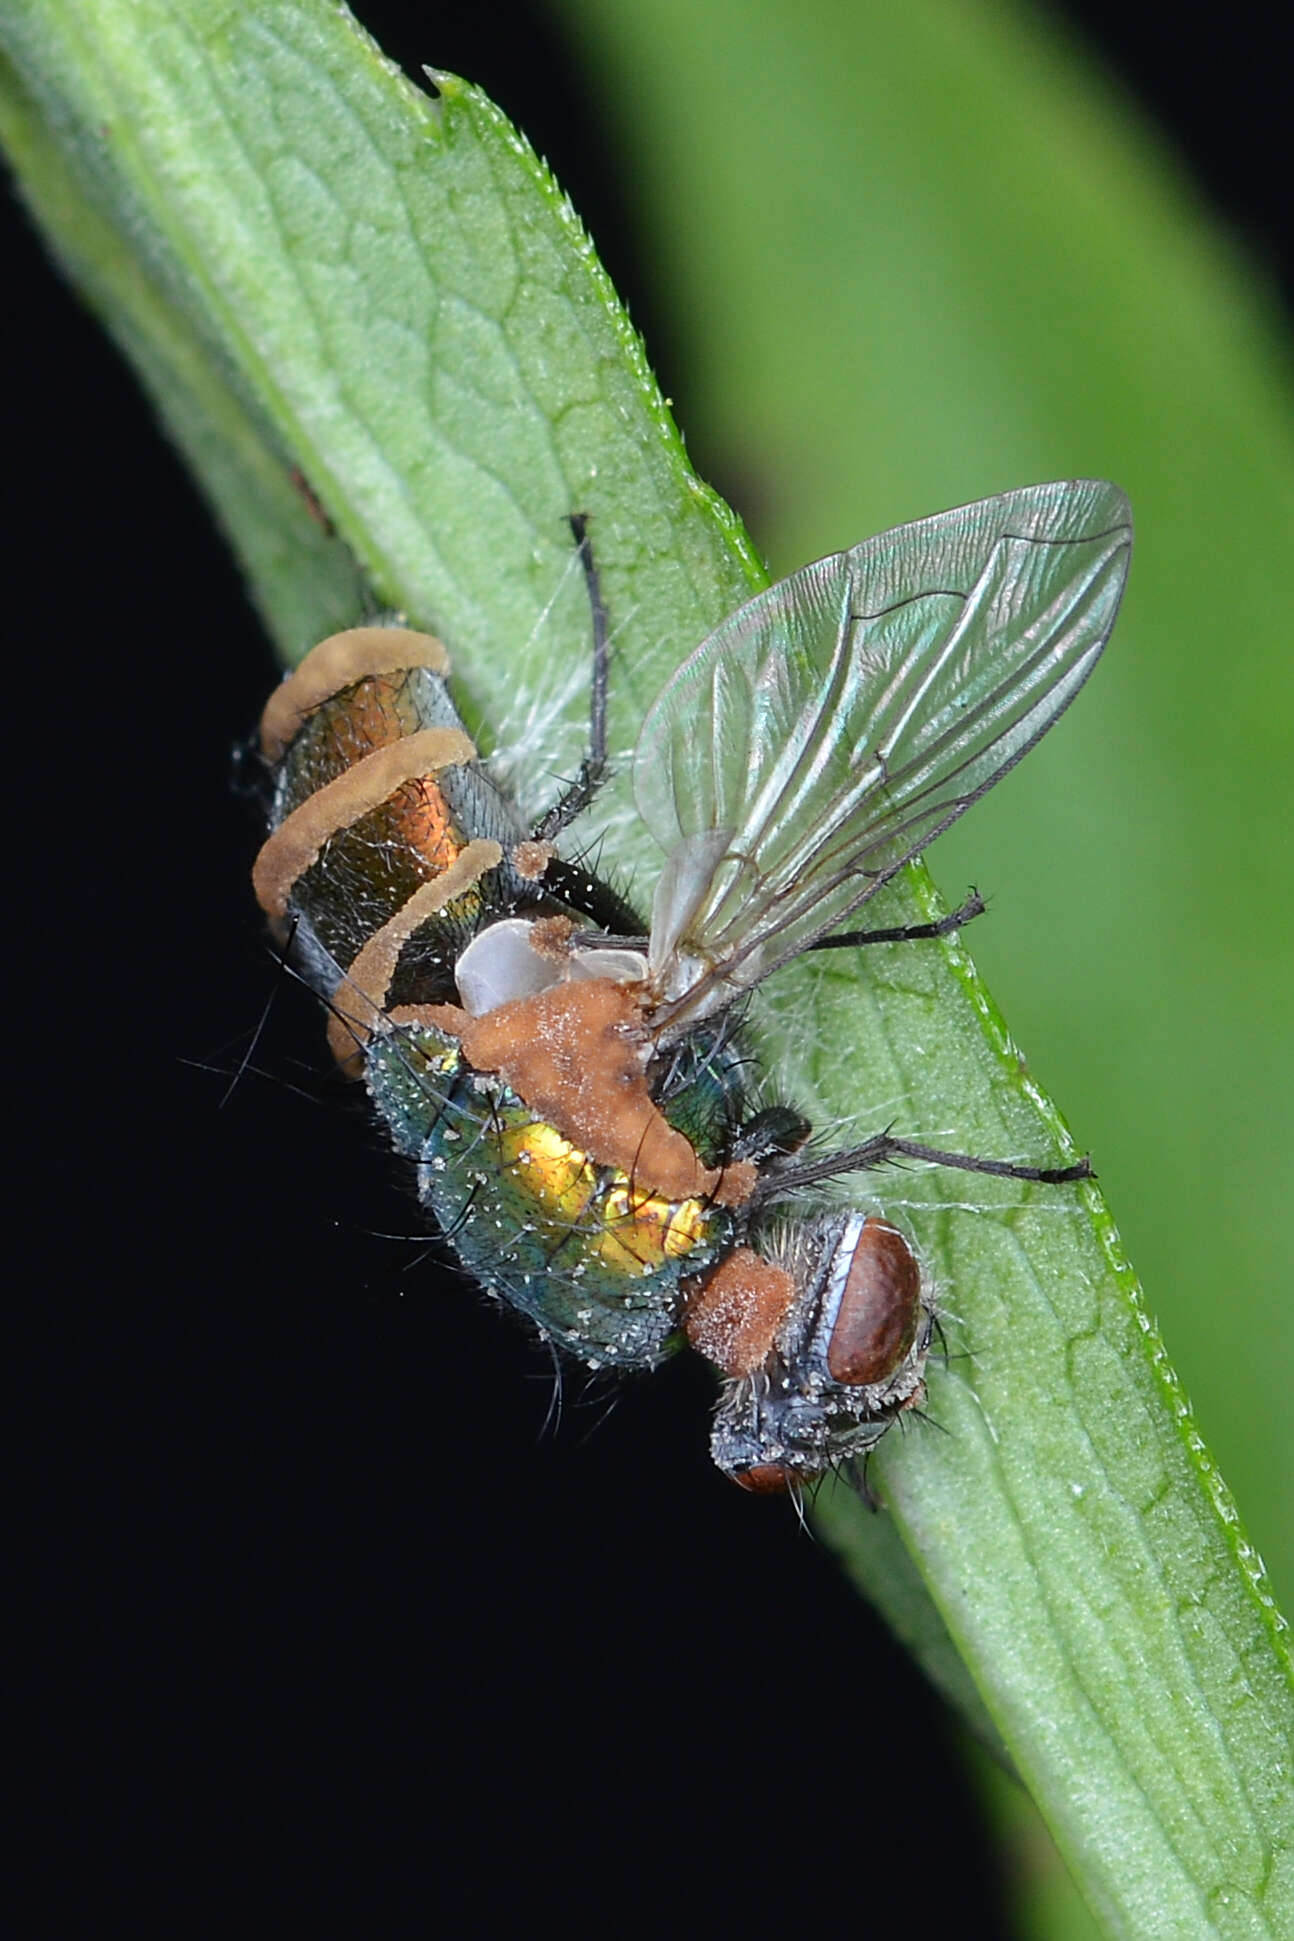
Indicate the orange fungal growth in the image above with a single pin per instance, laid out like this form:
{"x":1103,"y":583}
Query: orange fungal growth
{"x":338,"y":663}
{"x":370,"y":778}
{"x":295,"y":844}
{"x":531,"y":859}
{"x":576,"y":1054}
{"x":551,"y":937}
{"x":733,"y":1317}
{"x":361,"y":996}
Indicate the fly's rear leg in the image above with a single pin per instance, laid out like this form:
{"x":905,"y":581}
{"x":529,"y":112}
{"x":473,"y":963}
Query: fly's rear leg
{"x":574,"y":800}
{"x":907,"y":933}
{"x":575,"y":882}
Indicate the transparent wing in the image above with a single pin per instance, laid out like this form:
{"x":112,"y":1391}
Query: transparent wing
{"x":832,"y":727}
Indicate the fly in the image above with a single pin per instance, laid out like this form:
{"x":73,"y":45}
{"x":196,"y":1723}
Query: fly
{"x":570,"y":1082}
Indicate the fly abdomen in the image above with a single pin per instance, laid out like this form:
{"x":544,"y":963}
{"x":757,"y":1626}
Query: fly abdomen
{"x":387,"y":839}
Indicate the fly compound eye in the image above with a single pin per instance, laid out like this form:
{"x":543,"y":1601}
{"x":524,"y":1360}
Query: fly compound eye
{"x":879,"y":1310}
{"x":764,"y":1479}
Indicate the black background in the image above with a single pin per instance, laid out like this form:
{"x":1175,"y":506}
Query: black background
{"x":327,"y":1612}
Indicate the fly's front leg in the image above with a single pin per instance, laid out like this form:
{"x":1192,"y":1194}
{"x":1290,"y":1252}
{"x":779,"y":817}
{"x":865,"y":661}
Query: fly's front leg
{"x":883,"y":1148}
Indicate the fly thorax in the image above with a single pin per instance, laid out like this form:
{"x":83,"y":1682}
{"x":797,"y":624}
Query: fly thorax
{"x":566,"y":1028}
{"x":548,"y":1159}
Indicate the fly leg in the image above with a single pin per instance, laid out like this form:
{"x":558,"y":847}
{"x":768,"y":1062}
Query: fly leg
{"x":576,"y":883}
{"x":883,"y":1148}
{"x":574,"y":800}
{"x":907,"y":933}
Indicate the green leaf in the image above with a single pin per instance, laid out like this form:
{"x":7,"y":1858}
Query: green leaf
{"x":917,"y":254}
{"x":319,"y":269}
{"x":331,"y":273}
{"x":920,"y":253}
